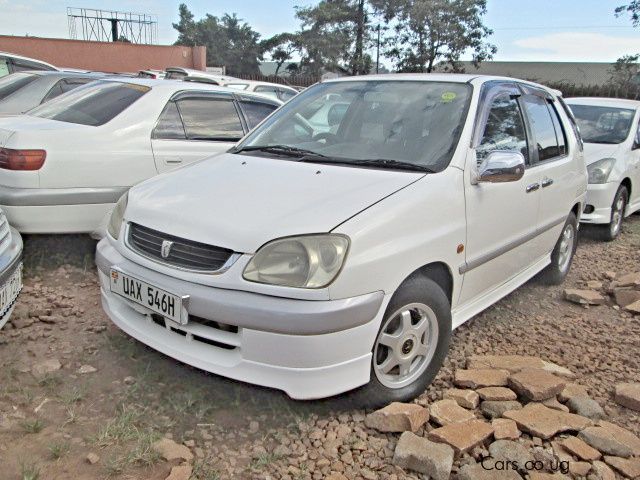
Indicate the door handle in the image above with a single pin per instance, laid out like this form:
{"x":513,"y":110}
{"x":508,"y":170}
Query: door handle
{"x":546,"y":182}
{"x":173,"y":161}
{"x":533,"y":187}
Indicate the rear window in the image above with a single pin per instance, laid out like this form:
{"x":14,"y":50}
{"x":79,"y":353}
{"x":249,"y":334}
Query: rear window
{"x":94,"y":104}
{"x":174,"y":75}
{"x":603,"y":124}
{"x":14,"y":82}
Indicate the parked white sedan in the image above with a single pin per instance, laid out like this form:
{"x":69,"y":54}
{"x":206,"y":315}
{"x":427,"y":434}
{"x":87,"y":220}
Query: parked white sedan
{"x":64,"y":165}
{"x":610,"y":131}
{"x":318,"y":261}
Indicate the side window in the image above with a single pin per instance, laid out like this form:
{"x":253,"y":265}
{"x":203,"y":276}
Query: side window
{"x":210,"y":119}
{"x":285,"y":95}
{"x":504,"y":129}
{"x":4,"y":67}
{"x":71,"y":83}
{"x":557,"y":125}
{"x":54,"y":92}
{"x":573,"y":122}
{"x":169,"y":126}
{"x":543,"y":127}
{"x":255,"y":112}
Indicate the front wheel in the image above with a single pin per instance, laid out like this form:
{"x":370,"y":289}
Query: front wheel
{"x":562,"y":255}
{"x":411,"y":344}
{"x":618,"y":208}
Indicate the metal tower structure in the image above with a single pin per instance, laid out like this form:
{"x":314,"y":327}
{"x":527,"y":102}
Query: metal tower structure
{"x":112,"y":26}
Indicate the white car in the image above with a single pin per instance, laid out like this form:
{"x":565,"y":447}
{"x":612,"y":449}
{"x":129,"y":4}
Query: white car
{"x":317,"y":262}
{"x":610,"y":131}
{"x":11,"y":63}
{"x":10,"y":268}
{"x":274,"y":90}
{"x":67,"y":162}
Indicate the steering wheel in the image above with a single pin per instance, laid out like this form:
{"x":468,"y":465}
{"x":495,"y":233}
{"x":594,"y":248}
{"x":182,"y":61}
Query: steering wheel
{"x":326,"y":136}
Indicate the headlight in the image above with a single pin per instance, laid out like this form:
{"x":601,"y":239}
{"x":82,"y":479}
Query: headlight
{"x":599,"y":171}
{"x":117,"y":216}
{"x":309,"y":261}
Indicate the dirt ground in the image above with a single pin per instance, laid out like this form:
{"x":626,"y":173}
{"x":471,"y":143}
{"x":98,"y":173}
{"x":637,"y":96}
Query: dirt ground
{"x":72,"y":384}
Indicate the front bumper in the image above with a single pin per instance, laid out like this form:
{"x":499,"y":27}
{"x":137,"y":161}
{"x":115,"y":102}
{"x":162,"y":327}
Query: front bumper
{"x":10,"y":260}
{"x":309,"y":349}
{"x":600,"y":197}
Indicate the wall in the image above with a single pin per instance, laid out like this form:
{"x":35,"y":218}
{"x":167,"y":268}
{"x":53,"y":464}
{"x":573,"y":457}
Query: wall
{"x":104,"y":56}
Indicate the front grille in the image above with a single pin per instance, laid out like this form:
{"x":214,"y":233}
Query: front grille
{"x":183,"y":253}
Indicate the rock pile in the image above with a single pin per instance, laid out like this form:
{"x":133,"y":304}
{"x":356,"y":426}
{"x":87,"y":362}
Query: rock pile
{"x":513,"y":417}
{"x":619,"y":291}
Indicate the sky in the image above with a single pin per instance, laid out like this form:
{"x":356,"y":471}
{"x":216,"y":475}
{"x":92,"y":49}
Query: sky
{"x":533,"y":30}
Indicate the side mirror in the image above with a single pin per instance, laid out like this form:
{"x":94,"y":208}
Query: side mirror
{"x":501,"y":166}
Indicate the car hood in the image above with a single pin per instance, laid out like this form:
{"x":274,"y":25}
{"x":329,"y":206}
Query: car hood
{"x":241,"y":202}
{"x":597,"y":151}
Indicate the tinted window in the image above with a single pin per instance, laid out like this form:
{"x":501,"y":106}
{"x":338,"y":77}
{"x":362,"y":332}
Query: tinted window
{"x":55,"y":91}
{"x":557,"y":125}
{"x":14,"y":82}
{"x":504,"y":129}
{"x":542,"y":125}
{"x":93,"y":104}
{"x":71,"y":83}
{"x":418,"y":122}
{"x":174,"y":75}
{"x":603,"y":124}
{"x":255,"y":112}
{"x":210,"y":119}
{"x":169,"y":124}
{"x":286,"y":94}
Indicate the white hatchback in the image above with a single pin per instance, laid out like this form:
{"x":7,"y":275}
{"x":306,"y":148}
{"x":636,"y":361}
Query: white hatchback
{"x":610,"y":131}
{"x":320,"y":260}
{"x":64,"y":164}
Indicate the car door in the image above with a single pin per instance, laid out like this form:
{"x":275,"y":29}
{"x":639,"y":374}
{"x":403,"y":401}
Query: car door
{"x":501,"y":217}
{"x":634,"y":165}
{"x":195,"y":125}
{"x":553,"y":160}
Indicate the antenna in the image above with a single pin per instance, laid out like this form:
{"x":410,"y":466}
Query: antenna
{"x":112,"y":26}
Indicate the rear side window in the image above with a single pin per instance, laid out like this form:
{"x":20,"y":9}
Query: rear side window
{"x":169,"y":126}
{"x":174,"y":75}
{"x":64,"y":86}
{"x":210,"y":119}
{"x":285,"y":94}
{"x":14,"y":82}
{"x":504,"y":129}
{"x":255,"y":112}
{"x":93,"y":104}
{"x":549,"y":143}
{"x":4,"y":67}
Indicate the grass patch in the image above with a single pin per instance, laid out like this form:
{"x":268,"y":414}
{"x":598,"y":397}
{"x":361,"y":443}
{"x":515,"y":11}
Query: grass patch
{"x":75,"y":395}
{"x":29,"y":471}
{"x":120,"y":429}
{"x":50,"y":382}
{"x":33,"y":426}
{"x":203,"y":471}
{"x":59,"y":449}
{"x":263,"y":460}
{"x":142,"y":455}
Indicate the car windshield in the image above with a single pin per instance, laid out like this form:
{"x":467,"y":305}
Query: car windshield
{"x":603,"y":124}
{"x":94,"y":104}
{"x":385,"y":124}
{"x":12,"y":83}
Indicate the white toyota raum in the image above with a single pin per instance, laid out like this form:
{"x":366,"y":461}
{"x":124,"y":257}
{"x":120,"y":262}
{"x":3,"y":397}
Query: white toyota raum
{"x":321,"y":260}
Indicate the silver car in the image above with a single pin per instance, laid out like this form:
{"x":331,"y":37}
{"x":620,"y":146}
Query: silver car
{"x":10,"y":267}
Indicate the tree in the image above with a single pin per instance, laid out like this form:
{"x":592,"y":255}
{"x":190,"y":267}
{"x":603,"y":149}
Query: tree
{"x":625,"y":72}
{"x":281,"y":47}
{"x":633,"y":9}
{"x":335,"y":35}
{"x":426,"y":31}
{"x":229,"y":41}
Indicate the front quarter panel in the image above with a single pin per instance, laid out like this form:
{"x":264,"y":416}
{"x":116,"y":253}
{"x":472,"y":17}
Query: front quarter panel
{"x":421,"y":224}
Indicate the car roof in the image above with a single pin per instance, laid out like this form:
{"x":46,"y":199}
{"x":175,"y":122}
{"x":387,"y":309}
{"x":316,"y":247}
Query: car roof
{"x":257,"y":82}
{"x":180,"y":85}
{"x":63,"y":74}
{"x":439,"y":77}
{"x":22,"y":57}
{"x":604,"y":102}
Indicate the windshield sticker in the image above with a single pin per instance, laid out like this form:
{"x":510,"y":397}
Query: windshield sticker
{"x":448,"y":97}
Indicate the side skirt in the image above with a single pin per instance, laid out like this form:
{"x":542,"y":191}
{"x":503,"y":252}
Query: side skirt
{"x":463,"y":313}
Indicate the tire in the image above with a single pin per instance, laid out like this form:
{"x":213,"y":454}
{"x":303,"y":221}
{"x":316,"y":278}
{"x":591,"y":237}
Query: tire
{"x":611,"y":231}
{"x":424,"y":301}
{"x":557,"y":270}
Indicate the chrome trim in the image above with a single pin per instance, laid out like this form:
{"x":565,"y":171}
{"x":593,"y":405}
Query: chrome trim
{"x":226,"y":266}
{"x":487,"y":257}
{"x":501,"y":166}
{"x":40,"y":197}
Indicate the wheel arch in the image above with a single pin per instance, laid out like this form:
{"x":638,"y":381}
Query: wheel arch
{"x":627,"y":183}
{"x":440,"y":273}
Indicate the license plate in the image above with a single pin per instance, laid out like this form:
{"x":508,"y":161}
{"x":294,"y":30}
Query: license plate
{"x":10,"y":290}
{"x":155,"y":299}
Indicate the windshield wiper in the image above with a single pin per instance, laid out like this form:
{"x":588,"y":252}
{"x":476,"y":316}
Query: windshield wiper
{"x":377,"y":163}
{"x":281,"y":150}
